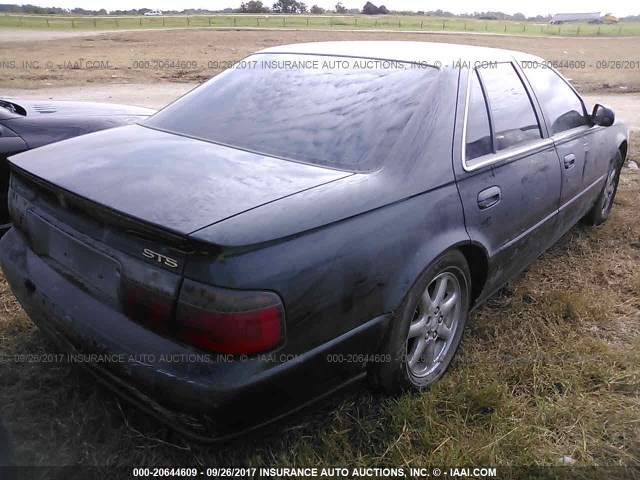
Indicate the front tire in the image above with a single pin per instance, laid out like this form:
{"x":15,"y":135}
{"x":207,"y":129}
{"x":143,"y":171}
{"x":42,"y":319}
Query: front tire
{"x":602,"y":208}
{"x":427,"y":329}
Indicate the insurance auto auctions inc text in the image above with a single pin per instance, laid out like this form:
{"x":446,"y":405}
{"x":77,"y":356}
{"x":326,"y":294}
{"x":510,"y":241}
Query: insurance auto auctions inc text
{"x":377,"y":472}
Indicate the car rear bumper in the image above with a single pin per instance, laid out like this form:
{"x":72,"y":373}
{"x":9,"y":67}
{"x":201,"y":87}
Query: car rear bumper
{"x":205,"y":396}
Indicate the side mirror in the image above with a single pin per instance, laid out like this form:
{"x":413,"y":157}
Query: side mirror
{"x":602,"y":115}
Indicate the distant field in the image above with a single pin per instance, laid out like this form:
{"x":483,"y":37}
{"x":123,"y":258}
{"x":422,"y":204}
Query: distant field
{"x":382,"y":22}
{"x":40,"y":59}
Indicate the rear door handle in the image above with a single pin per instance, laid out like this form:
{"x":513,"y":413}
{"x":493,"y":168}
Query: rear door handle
{"x":489,"y":197}
{"x":569,"y":161}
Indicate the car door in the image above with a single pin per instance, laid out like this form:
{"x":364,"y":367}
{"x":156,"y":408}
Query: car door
{"x":507,"y":174}
{"x":571,"y":130}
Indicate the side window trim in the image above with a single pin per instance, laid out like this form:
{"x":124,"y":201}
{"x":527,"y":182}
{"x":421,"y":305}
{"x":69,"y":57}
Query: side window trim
{"x":516,"y":150}
{"x":538,"y":105}
{"x":523,"y":149}
{"x":470,"y":74}
{"x":570,"y":134}
{"x":545,"y":130}
{"x":467,"y":97}
{"x":525,"y":84}
{"x":487,"y":105}
{"x":580,"y":99}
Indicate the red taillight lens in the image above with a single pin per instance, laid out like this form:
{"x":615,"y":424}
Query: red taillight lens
{"x":229,"y":321}
{"x":235,"y":333}
{"x":146,"y":307}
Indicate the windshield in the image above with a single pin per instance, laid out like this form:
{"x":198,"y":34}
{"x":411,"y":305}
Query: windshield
{"x":336,"y":112}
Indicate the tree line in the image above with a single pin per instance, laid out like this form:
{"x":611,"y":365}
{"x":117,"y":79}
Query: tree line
{"x":284,"y":6}
{"x":292,"y":6}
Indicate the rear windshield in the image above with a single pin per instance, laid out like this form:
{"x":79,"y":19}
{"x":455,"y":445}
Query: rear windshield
{"x":337,"y":112}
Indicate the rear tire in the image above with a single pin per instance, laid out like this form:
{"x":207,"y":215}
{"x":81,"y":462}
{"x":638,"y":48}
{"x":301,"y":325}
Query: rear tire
{"x":602,"y":208}
{"x":427,"y":328}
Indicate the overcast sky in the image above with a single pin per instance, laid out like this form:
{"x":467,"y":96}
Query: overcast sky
{"x":617,"y":7}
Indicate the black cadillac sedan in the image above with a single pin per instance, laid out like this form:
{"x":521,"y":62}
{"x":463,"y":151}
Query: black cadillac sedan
{"x":27,"y":124}
{"x":318,"y":213}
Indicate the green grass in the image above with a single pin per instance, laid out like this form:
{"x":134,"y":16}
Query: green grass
{"x":383,"y":22}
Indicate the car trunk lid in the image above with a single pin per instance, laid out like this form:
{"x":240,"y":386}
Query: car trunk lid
{"x":169,"y":181}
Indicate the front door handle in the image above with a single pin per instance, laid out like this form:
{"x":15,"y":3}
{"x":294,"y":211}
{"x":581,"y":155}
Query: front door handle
{"x":569,"y":161}
{"x":489,"y":197}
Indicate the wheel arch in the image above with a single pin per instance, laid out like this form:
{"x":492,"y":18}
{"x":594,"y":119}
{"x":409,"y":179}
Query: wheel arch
{"x":478,"y":262}
{"x":624,"y":146}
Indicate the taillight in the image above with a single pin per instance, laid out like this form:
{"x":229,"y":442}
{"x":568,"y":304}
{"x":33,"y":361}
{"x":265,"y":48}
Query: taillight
{"x":145,"y":306}
{"x":229,"y":321}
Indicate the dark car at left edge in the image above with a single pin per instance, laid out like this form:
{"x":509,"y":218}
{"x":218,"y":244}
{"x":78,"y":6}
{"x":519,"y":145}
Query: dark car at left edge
{"x":28,"y":124}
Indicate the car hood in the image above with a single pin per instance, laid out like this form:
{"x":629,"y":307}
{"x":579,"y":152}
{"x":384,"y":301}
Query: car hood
{"x":36,"y":108}
{"x":174,"y":182}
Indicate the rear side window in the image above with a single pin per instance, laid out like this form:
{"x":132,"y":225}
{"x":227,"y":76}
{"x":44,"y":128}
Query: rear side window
{"x":514,"y":119}
{"x":478,"y":133}
{"x":563,"y":109}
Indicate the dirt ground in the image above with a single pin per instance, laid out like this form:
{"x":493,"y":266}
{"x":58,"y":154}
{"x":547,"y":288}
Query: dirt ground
{"x":63,"y":56}
{"x":11,"y":35}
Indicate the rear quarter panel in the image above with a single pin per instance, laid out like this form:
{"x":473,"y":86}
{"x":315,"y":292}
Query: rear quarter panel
{"x":335,"y":278}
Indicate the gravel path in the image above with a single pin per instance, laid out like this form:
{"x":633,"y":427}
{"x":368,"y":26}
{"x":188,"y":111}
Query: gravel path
{"x":11,"y":35}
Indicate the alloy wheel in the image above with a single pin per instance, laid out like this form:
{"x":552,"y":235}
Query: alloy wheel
{"x":434,"y":325}
{"x":609,"y":191}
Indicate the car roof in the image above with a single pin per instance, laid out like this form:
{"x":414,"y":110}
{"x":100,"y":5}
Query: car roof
{"x":446,"y":54}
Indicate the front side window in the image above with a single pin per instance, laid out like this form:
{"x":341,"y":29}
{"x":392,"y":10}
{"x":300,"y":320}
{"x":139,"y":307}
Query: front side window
{"x":514,"y":119}
{"x":339,"y":112}
{"x":563,"y":109}
{"x":478,"y":140}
